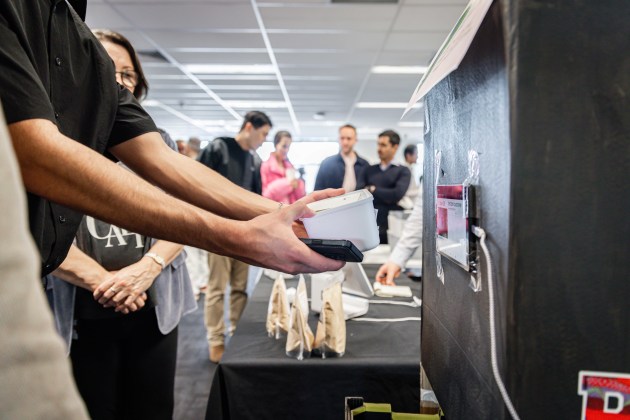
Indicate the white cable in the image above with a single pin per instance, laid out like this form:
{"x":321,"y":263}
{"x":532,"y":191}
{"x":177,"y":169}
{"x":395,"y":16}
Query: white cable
{"x":409,"y":318}
{"x":413,"y":304}
{"x":493,"y":338}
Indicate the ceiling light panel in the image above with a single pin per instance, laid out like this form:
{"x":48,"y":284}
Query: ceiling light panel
{"x":230,"y":68}
{"x":416,"y":40}
{"x":405,"y":58}
{"x":340,"y":17}
{"x":357,"y":40}
{"x":362,"y":58}
{"x":398,"y":70}
{"x":187,"y":37}
{"x":383,"y":105}
{"x":176,"y":15}
{"x":222,"y":58}
{"x":427,"y":18}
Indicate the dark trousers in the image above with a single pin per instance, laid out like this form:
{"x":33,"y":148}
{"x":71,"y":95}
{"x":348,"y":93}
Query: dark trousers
{"x":125,"y":367}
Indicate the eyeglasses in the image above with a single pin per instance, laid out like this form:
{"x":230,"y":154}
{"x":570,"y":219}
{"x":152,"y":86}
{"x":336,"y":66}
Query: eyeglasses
{"x":128,"y":78}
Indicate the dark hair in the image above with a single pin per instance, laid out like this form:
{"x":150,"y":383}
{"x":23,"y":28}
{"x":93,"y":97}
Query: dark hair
{"x":141,"y":90}
{"x":410,"y":149}
{"x":279,"y":136}
{"x":349,"y":126}
{"x":257,"y":118}
{"x":394,"y":138}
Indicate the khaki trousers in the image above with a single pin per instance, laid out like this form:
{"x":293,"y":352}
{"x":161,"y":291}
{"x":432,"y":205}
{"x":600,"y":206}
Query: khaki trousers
{"x":224,"y":270}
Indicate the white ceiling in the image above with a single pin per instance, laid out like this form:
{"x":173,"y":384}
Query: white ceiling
{"x":323,"y":57}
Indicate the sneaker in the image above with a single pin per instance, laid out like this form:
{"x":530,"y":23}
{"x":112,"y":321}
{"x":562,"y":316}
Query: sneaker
{"x":216,"y":352}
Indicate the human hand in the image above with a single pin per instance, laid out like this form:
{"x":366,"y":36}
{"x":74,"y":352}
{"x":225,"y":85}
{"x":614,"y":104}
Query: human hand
{"x":298,"y":226}
{"x":272,"y":243}
{"x":387,"y":272}
{"x":294,"y":183}
{"x":125,"y":289}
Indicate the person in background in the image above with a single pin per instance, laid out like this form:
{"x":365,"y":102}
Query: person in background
{"x":386,"y":181}
{"x":123,"y":363}
{"x":343,"y":169}
{"x":182,"y":146}
{"x":279,"y":179}
{"x":237,"y":160}
{"x":35,"y":375}
{"x":196,"y":258}
{"x":409,"y":242}
{"x":411,"y":157}
{"x":193,"y":147}
{"x":190,"y":148}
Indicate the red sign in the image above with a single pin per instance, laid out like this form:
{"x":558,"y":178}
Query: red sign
{"x":605,"y":395}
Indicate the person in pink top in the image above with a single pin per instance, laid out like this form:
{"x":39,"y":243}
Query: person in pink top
{"x":279,"y":180}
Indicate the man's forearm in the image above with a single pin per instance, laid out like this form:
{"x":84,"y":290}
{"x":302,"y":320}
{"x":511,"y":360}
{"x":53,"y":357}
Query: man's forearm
{"x":185,"y":178}
{"x":62,"y":170}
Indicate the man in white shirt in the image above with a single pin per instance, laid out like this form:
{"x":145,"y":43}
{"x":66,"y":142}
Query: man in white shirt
{"x":410,"y":240}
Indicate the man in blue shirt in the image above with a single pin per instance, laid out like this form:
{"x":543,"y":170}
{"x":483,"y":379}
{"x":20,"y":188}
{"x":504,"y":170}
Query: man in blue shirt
{"x":343,"y":169}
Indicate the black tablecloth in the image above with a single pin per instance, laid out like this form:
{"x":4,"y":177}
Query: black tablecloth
{"x":256,"y":380}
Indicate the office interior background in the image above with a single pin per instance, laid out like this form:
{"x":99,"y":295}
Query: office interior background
{"x":311,"y":65}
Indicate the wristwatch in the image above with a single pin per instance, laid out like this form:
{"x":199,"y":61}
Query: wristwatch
{"x":155,"y":257}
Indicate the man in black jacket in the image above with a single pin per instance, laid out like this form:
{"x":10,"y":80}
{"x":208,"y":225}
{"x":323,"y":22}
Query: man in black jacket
{"x":387,"y":181}
{"x":237,"y":160}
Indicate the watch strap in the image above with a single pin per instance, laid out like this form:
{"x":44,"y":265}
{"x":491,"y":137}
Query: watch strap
{"x":155,"y":257}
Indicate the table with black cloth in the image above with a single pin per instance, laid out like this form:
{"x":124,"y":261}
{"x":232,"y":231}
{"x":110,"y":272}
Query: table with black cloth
{"x":256,"y":380}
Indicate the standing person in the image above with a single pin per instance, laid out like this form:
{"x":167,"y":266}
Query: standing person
{"x":196,"y":258}
{"x":386,"y":181}
{"x":410,"y":154}
{"x":409,"y":242}
{"x":35,"y":376}
{"x":279,"y":180}
{"x":237,"y":160}
{"x":182,"y":147}
{"x":61,"y":125}
{"x":124,"y":365}
{"x":343,"y":169}
{"x":194,"y":147}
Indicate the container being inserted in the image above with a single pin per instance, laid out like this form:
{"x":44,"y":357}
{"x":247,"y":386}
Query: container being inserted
{"x":350,"y":216}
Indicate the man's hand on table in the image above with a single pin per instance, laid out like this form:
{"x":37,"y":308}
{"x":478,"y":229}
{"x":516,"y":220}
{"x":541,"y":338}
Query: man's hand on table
{"x":387,"y":272}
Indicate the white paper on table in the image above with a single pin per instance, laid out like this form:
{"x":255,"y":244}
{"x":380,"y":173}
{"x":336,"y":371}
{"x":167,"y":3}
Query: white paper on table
{"x":453,"y":49}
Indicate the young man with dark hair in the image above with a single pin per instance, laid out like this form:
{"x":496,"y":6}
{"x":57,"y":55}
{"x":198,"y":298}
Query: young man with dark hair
{"x":386,"y":181}
{"x":411,"y":157}
{"x":237,"y":160}
{"x":411,"y":154}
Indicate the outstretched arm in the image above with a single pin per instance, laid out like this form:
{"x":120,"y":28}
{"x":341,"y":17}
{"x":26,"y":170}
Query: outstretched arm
{"x":62,"y":170}
{"x":148,"y":156}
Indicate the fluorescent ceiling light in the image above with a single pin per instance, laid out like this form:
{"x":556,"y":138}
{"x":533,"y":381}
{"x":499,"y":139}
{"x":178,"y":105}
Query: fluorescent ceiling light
{"x":257,"y":104}
{"x":386,"y":105}
{"x":399,"y":69}
{"x":230,"y":69}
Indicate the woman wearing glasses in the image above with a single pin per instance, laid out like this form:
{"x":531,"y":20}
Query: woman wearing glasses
{"x":121,"y":298}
